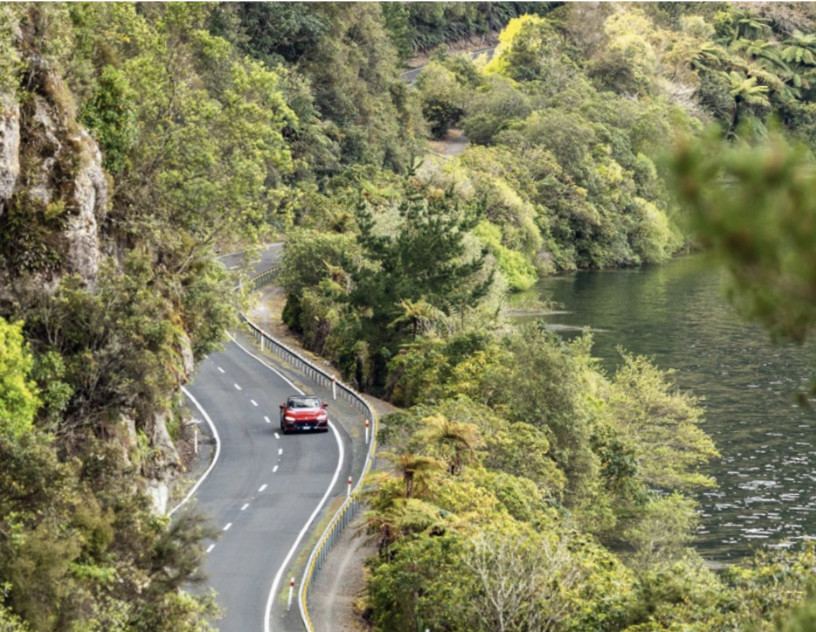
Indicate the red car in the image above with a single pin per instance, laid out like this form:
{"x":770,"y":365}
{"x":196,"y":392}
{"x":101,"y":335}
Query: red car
{"x":303,"y":412}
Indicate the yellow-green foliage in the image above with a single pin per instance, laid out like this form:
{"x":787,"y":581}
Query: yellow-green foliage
{"x":520,"y":273}
{"x":19,"y":400}
{"x":648,"y":410}
{"x":519,"y":32}
{"x":631,"y":36}
{"x":552,"y":454}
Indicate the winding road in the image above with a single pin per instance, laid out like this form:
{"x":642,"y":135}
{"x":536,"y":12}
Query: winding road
{"x":265,"y":490}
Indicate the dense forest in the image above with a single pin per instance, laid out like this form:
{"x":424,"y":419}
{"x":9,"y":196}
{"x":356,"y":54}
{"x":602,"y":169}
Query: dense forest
{"x":139,"y":140}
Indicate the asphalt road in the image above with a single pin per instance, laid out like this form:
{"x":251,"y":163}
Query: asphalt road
{"x":263,"y":491}
{"x":270,"y":257}
{"x":410,"y":76}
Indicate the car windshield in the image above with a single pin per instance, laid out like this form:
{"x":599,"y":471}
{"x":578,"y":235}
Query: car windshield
{"x":304,"y":402}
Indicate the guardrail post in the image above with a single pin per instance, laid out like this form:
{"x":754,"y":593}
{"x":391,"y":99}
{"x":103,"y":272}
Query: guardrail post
{"x":350,"y":507}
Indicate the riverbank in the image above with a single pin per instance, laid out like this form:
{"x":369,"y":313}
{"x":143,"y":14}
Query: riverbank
{"x":676,"y":314}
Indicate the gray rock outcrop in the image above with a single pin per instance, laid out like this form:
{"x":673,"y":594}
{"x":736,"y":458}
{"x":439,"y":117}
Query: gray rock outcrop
{"x":9,"y":148}
{"x":91,"y":201}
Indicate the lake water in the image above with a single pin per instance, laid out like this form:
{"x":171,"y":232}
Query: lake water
{"x":676,"y":315}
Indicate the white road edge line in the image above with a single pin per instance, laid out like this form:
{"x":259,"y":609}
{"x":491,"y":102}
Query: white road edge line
{"x":215,"y":456}
{"x":276,"y":582}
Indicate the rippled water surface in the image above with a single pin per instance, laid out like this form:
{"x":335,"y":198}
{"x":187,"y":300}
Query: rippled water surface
{"x":676,"y":315}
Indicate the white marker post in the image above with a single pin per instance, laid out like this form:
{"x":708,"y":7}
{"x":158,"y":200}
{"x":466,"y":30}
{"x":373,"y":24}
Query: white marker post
{"x":348,"y":493}
{"x":195,"y":440}
{"x":291,"y":592}
{"x":334,"y":387}
{"x":367,"y":431}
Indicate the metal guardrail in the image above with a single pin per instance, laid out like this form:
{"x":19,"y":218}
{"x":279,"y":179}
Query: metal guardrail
{"x":351,"y":505}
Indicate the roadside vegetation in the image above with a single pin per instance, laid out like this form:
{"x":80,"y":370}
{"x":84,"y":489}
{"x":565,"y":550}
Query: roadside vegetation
{"x":528,"y":490}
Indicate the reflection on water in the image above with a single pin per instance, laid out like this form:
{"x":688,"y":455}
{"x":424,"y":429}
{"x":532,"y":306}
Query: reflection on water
{"x":676,"y":315}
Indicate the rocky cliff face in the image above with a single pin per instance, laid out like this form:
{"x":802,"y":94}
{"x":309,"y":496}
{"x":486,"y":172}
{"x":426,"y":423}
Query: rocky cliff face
{"x":9,"y":148}
{"x":53,"y":190}
{"x":54,"y":196}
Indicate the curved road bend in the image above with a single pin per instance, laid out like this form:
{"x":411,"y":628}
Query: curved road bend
{"x":270,"y":257}
{"x":263,"y":489}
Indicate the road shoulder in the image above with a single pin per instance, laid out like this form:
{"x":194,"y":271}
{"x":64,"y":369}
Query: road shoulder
{"x":338,"y":587}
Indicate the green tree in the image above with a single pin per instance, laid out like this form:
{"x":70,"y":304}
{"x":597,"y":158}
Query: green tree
{"x":19,"y":400}
{"x":111,"y":117}
{"x":418,"y":314}
{"x":760,"y":49}
{"x":493,"y":109}
{"x":419,"y":586}
{"x":800,"y":49}
{"x":662,"y":424}
{"x":749,"y":25}
{"x":517,"y":575}
{"x":542,"y":581}
{"x":749,"y":97}
{"x":454,"y":442}
{"x":442,"y":98}
{"x":550,"y":374}
{"x":422,"y":257}
{"x":767,"y":250}
{"x":397,"y":17}
{"x":298,"y":28}
{"x":414,"y":470}
{"x":354,"y":74}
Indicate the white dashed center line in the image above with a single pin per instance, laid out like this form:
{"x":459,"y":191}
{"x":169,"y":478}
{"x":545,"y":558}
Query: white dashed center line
{"x":210,"y":548}
{"x":236,"y":386}
{"x":220,"y":369}
{"x":277,"y":436}
{"x":227,"y":527}
{"x":274,"y":469}
{"x":254,"y":403}
{"x":262,"y":487}
{"x":267,"y":420}
{"x":244,"y":507}
{"x":280,"y":451}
